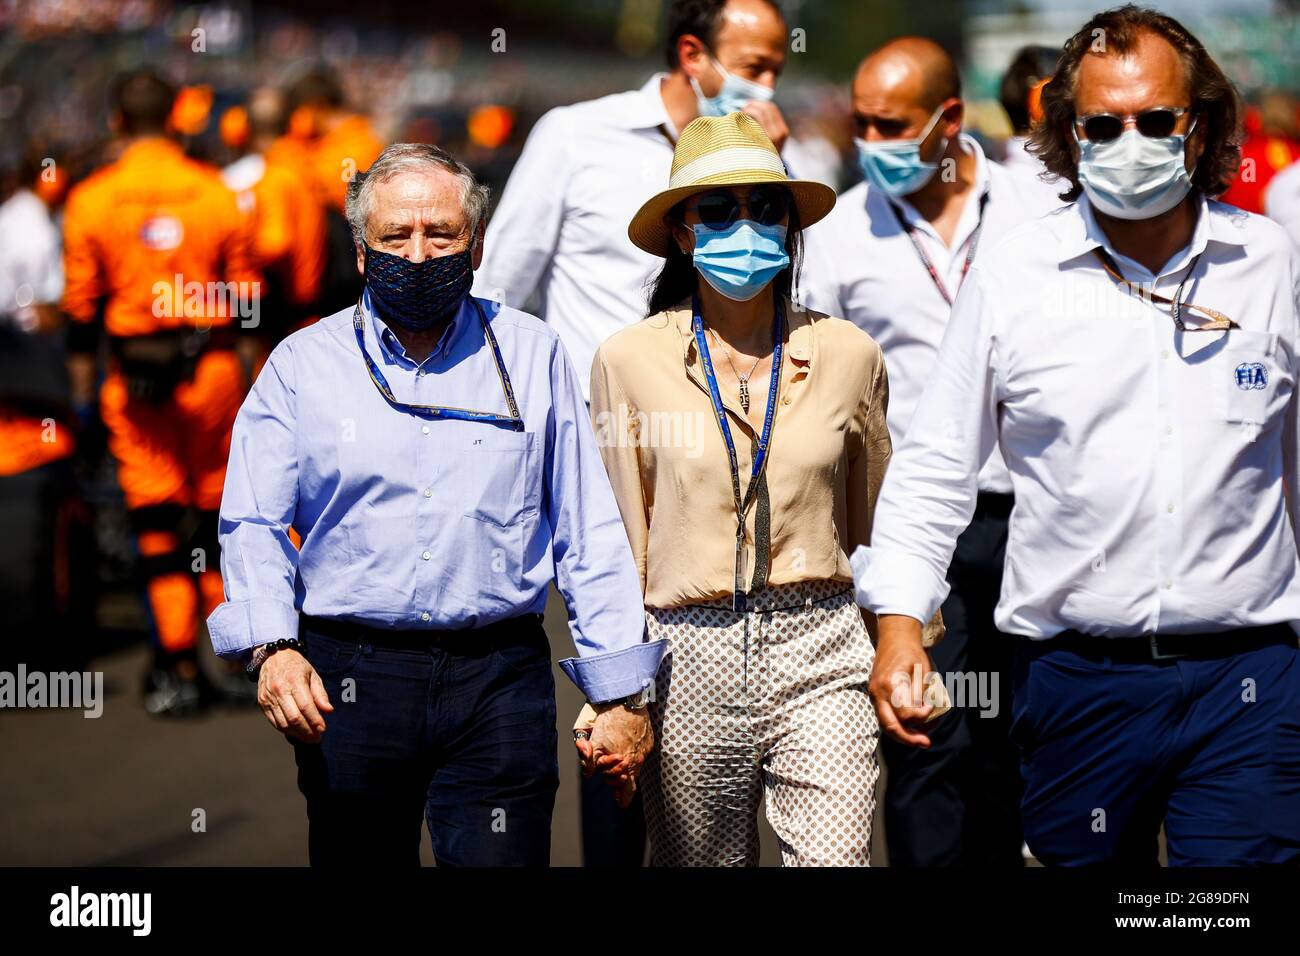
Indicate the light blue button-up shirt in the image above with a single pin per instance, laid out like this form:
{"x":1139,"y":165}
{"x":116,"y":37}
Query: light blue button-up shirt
{"x":411,"y":523}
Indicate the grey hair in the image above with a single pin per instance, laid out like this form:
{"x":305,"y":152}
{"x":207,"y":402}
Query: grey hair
{"x":405,"y":157}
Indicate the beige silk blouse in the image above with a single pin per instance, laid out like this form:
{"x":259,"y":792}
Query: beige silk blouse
{"x":668,"y":465}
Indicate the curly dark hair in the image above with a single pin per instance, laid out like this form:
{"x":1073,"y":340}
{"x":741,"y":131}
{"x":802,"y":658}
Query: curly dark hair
{"x":1213,"y":98}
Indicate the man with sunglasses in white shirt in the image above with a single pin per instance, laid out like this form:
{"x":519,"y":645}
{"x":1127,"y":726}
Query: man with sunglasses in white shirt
{"x":889,"y":258}
{"x":1133,"y":357}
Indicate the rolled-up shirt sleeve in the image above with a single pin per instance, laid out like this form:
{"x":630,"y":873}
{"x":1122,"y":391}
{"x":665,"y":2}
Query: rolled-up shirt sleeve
{"x":595,"y":572}
{"x":929,"y":491}
{"x":259,"y":563}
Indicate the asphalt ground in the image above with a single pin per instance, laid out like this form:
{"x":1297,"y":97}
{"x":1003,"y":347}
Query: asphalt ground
{"x":125,"y":789}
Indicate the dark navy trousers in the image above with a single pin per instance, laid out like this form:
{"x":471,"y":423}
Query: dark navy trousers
{"x":455,"y":727}
{"x":1208,"y":747}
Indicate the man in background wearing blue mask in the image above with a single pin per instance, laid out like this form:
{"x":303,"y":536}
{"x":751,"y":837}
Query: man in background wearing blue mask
{"x":559,"y":234}
{"x":890,"y":257}
{"x":1134,"y":358}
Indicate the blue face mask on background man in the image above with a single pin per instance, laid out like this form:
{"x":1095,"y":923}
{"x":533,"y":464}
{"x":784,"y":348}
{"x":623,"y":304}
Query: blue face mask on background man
{"x":740,"y":260}
{"x":735,"y":93}
{"x":1135,"y":176}
{"x":894,"y":166}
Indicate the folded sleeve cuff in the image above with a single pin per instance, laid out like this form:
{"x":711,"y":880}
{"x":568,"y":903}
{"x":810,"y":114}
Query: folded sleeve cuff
{"x":236,"y":627}
{"x":894,"y":582}
{"x":616,"y":674}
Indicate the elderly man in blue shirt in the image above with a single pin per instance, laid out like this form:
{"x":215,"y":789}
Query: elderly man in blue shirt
{"x":433,"y":452}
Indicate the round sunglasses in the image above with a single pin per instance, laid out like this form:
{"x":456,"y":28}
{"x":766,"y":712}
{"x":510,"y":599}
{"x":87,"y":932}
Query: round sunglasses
{"x":1154,"y":123}
{"x":767,"y":206}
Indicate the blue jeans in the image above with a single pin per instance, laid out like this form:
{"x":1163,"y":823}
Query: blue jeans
{"x":454,"y":726}
{"x":1110,"y":749}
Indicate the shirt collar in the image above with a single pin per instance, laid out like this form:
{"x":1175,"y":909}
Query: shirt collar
{"x":391,"y":348}
{"x":645,"y":108}
{"x":1079,"y":232}
{"x":799,"y":345}
{"x":982,"y":178}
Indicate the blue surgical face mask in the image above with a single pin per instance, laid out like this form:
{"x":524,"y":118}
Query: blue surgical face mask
{"x":742,"y":259}
{"x":894,"y":166}
{"x":735,"y":93}
{"x":1135,"y":176}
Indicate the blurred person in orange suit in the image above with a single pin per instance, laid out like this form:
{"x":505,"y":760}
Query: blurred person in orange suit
{"x":158,"y":258}
{"x":43,"y":565}
{"x":288,"y":221}
{"x":1272,"y":143}
{"x":334,"y":143}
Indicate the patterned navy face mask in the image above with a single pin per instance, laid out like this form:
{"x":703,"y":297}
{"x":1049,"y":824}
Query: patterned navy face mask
{"x":417,"y":295}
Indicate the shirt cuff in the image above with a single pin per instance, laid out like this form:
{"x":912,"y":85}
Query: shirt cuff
{"x":895,"y":582}
{"x":616,"y":674}
{"x":236,"y":627}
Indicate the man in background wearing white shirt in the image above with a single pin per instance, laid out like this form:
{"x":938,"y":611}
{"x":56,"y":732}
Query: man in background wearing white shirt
{"x":1133,"y":355}
{"x":889,"y":258}
{"x":1282,"y":200}
{"x":560,"y":229}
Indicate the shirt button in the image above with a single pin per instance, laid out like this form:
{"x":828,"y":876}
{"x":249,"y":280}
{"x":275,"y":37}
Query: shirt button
{"x":1169,"y":429}
{"x":424,"y":429}
{"x":786,"y":400}
{"x":1170,"y":509}
{"x":1167,"y":585}
{"x":424,"y":615}
{"x":426,"y":555}
{"x":428,"y":492}
{"x":1164,"y":353}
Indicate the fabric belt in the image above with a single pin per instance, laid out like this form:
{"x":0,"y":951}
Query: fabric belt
{"x":1150,"y":648}
{"x":512,"y":630}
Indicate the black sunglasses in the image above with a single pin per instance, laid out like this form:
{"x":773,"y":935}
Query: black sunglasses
{"x":767,"y":206}
{"x":1154,"y":123}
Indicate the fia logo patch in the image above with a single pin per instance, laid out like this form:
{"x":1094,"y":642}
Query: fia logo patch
{"x":1251,"y":375}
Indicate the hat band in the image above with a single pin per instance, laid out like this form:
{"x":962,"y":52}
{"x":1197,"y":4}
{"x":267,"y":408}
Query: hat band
{"x":728,"y":160}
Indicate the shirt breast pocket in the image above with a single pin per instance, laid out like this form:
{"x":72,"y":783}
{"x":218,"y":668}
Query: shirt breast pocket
{"x":1252,"y":380}
{"x":500,"y":475}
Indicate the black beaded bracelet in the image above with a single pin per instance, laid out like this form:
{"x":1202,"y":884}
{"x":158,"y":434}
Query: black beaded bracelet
{"x":270,"y":648}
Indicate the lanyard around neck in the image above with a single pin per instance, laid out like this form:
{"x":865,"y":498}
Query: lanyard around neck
{"x":512,"y":421}
{"x":764,"y":439}
{"x":924,"y":256}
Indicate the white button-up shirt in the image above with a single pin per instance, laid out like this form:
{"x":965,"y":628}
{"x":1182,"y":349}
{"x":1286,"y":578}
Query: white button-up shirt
{"x":1149,"y":466}
{"x":560,"y":228}
{"x":860,"y":265}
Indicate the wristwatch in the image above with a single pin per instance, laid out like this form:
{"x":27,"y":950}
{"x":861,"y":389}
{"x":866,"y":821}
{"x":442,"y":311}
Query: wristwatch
{"x":640,"y":700}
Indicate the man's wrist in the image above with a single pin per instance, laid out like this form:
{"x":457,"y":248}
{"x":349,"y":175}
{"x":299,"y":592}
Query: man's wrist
{"x":638,"y":702}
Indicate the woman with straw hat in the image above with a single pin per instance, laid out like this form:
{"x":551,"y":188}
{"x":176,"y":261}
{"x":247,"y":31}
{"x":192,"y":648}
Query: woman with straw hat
{"x":745,"y":439}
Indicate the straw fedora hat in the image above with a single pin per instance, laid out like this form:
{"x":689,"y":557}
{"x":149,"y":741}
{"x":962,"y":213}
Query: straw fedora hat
{"x":729,"y":150}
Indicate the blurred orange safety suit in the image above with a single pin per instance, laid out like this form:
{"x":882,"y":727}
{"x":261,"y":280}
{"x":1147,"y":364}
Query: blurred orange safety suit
{"x":156,"y":241}
{"x":347,"y":147}
{"x":288,"y":230}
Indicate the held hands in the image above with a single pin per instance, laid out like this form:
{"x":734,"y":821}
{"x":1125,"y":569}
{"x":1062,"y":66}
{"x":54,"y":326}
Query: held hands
{"x":291,"y":694}
{"x":906,"y":692}
{"x":620,"y":739}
